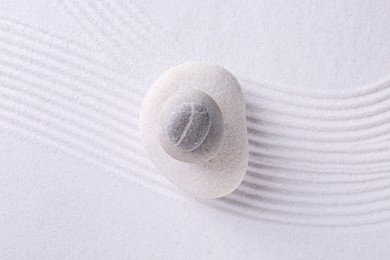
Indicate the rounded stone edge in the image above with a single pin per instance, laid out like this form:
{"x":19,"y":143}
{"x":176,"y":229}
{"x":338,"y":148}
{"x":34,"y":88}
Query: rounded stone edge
{"x":244,"y":151}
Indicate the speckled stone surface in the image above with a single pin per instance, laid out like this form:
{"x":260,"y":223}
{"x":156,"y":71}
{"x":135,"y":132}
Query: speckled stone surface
{"x":188,"y":126}
{"x":193,"y":124}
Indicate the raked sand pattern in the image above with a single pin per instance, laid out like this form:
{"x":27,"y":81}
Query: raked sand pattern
{"x":318,"y":158}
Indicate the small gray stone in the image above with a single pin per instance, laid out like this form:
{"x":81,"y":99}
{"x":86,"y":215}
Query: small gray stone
{"x":191,"y":126}
{"x":188,"y":126}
